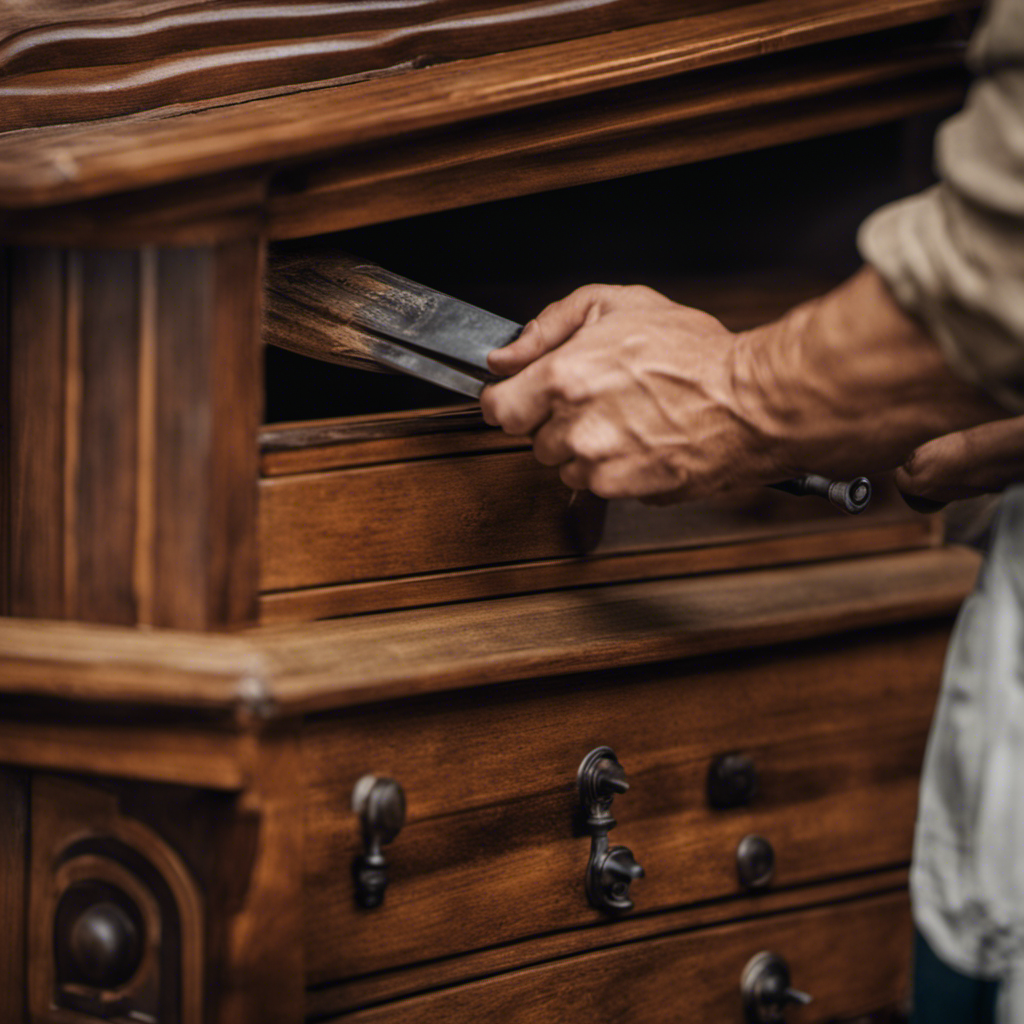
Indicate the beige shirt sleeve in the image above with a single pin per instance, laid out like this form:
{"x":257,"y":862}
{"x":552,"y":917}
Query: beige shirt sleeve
{"x":953,"y":256}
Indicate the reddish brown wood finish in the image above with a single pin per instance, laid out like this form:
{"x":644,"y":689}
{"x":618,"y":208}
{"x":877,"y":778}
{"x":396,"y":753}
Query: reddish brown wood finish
{"x":62,"y":164}
{"x":853,"y":958}
{"x":301,"y":669}
{"x":120,"y":62}
{"x":489,"y":848}
{"x":357,"y":993}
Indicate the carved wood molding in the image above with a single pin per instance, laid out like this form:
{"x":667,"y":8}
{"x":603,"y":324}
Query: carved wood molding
{"x":77,"y":161}
{"x":81,"y":70}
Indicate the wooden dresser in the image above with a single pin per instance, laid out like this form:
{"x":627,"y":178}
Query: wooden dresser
{"x":320,"y":700}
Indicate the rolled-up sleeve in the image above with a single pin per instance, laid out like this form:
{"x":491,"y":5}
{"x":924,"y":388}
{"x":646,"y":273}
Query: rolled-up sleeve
{"x":953,"y":256}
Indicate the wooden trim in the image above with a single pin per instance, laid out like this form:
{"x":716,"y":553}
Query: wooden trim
{"x":184,"y":756}
{"x":286,"y":670}
{"x":61,"y":164}
{"x":552,"y":574}
{"x":687,"y":119}
{"x":376,"y":988}
{"x":73,"y":72}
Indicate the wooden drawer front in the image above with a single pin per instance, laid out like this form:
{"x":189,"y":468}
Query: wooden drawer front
{"x":852,"y":958}
{"x":438,"y":515}
{"x":489,"y":853}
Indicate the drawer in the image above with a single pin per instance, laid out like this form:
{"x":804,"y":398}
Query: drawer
{"x":851,"y":958}
{"x":493,"y":850}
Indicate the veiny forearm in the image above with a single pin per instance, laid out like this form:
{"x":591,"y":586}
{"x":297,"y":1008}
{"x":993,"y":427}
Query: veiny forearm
{"x":849,"y":383}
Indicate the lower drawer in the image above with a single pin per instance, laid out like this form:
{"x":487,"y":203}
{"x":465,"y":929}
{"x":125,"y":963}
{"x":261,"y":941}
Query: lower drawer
{"x":851,"y":958}
{"x":493,"y":849}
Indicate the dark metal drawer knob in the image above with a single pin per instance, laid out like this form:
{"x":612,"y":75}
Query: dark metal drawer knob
{"x":380,"y":804}
{"x":611,"y":870}
{"x":766,"y":990}
{"x":103,"y":945}
{"x":755,"y":862}
{"x":732,"y":781}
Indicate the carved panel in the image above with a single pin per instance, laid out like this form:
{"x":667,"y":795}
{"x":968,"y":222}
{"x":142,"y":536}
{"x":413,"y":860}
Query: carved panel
{"x":116,"y":920}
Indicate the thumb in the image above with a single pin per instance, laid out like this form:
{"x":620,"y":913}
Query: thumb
{"x":551,"y":328}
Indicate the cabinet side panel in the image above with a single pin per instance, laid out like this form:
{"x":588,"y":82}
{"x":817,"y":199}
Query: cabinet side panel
{"x":13,"y":852}
{"x":35,"y":416}
{"x":104,"y":429}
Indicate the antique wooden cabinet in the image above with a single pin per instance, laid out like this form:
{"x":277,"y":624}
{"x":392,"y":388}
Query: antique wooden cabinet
{"x":317,"y":696}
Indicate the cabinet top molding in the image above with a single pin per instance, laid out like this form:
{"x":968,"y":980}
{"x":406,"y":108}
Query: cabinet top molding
{"x":175,"y":133}
{"x":269,"y":672}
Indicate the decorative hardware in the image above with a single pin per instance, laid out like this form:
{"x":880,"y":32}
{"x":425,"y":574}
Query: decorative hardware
{"x":755,"y":862}
{"x":380,"y":804}
{"x":732,"y":781}
{"x":611,"y":870}
{"x":766,"y":991}
{"x":98,"y":943}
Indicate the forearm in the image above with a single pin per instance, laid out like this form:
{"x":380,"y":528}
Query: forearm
{"x":849,"y":383}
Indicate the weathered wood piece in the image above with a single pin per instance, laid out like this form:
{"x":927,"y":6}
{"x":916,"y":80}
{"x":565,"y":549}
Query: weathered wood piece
{"x":62,"y":164}
{"x":342,"y":309}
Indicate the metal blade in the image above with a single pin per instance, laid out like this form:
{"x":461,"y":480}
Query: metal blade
{"x":410,"y":312}
{"x":417,"y":364}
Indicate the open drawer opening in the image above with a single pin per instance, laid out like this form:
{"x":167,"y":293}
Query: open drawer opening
{"x":381,"y":491}
{"x":745,"y":237}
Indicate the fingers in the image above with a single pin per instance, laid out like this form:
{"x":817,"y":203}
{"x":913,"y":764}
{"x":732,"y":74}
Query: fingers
{"x":553,"y":326}
{"x":519,"y":405}
{"x":970,"y":462}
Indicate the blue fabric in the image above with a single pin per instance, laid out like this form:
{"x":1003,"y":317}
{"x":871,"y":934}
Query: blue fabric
{"x":944,"y":996}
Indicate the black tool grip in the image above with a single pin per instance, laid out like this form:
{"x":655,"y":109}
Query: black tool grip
{"x":850,"y":496}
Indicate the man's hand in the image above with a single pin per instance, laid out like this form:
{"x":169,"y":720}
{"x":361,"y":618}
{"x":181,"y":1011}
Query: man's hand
{"x":982,"y":460}
{"x":630,"y":394}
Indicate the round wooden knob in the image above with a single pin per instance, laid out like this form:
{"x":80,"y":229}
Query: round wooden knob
{"x":104,"y":945}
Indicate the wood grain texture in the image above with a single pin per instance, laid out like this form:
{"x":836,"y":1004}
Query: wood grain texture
{"x":106,"y":431}
{"x":830,"y":769}
{"x":492,"y":509}
{"x":257,"y":978}
{"x":312,"y":603}
{"x":284,"y":670}
{"x":65,"y":163}
{"x":381,"y":986}
{"x":135,"y":401}
{"x":208,"y":407}
{"x":35,"y":417}
{"x":184,"y":755}
{"x":314,"y":445}
{"x":853,"y":957}
{"x":72,"y":72}
{"x":14,"y":846}
{"x":694,"y":117}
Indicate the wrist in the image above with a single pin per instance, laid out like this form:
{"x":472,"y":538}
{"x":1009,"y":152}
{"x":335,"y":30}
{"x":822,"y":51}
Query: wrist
{"x":849,"y":384}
